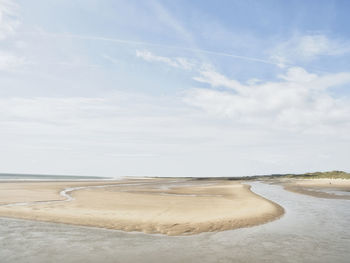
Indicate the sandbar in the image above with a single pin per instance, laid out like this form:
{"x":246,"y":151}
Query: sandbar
{"x":155,"y":206}
{"x":322,"y":188}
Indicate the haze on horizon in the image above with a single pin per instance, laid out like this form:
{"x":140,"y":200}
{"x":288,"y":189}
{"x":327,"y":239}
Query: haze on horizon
{"x":164,"y":88}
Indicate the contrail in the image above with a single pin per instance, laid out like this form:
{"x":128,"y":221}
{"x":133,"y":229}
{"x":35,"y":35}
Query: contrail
{"x":123,"y":41}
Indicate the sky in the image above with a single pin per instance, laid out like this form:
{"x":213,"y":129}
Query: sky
{"x":174,"y":88}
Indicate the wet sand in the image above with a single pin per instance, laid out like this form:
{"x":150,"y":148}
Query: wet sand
{"x":322,"y":188}
{"x":164,"y":206}
{"x":310,"y":224}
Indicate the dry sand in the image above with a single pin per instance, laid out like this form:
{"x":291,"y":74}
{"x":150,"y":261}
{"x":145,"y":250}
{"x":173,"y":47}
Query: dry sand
{"x":322,"y":188}
{"x":166,"y":206}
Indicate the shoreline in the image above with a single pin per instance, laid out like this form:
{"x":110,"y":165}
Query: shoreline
{"x":180,"y":207}
{"x":320,"y":188}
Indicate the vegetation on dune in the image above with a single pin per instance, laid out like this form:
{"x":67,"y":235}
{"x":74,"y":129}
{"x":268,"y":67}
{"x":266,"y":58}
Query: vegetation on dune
{"x":315,"y":175}
{"x":320,"y":175}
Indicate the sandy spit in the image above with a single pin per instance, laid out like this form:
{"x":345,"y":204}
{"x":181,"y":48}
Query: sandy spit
{"x":158,"y":206}
{"x":322,"y":188}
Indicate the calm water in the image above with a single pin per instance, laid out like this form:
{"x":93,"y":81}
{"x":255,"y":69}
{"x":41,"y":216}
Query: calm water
{"x":312,"y":230}
{"x":9,"y":176}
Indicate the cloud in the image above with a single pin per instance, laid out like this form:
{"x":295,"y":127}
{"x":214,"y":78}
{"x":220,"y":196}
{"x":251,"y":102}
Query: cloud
{"x":8,"y":18}
{"x":299,"y":101}
{"x":128,"y":134}
{"x":297,"y":74}
{"x":177,"y":62}
{"x":307,"y":48}
{"x":224,"y":127}
{"x":210,"y":76}
{"x":9,"y":61}
{"x":108,"y":132}
{"x":8,"y":24}
{"x":166,"y":18}
{"x":194,"y":50}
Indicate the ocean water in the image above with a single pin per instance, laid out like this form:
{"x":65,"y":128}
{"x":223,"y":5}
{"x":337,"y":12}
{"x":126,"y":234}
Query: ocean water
{"x":12,"y":176}
{"x":312,"y":230}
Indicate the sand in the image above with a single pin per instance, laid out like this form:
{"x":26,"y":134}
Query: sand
{"x":157,"y":206}
{"x":322,"y":188}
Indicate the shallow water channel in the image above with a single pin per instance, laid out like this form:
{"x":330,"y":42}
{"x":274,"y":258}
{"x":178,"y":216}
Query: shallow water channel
{"x":312,"y":230}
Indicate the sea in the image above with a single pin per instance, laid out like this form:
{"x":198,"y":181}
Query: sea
{"x":14,"y":176}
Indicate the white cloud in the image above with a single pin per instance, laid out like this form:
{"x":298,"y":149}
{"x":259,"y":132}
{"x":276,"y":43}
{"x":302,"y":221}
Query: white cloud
{"x":8,"y":23}
{"x":166,"y":18}
{"x":8,"y":18}
{"x":125,"y":134}
{"x":299,"y":101}
{"x":177,"y":62}
{"x":313,"y":45}
{"x":9,"y":61}
{"x":306,"y":48}
{"x":297,"y":74}
{"x":232,"y":128}
{"x":120,"y":134}
{"x":215,"y":79}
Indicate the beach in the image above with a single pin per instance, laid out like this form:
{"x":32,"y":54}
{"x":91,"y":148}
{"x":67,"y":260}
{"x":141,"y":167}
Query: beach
{"x":157,"y":206}
{"x":321,"y":188}
{"x":310,"y":224}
